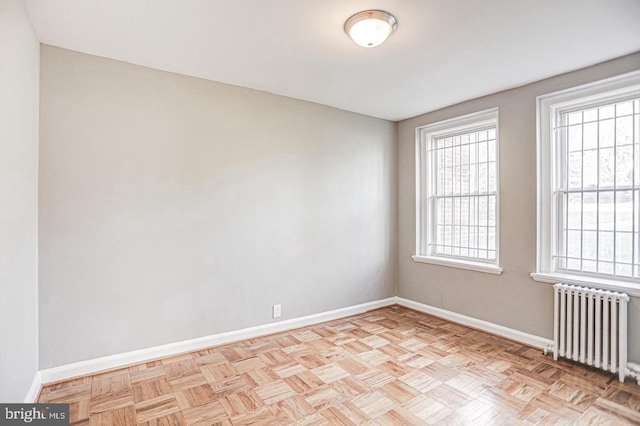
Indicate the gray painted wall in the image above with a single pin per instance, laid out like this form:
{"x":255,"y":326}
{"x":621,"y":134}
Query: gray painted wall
{"x":173,"y":207}
{"x":19,"y":70}
{"x":512,"y":299}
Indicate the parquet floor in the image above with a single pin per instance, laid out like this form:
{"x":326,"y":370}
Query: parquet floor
{"x":392,"y":366}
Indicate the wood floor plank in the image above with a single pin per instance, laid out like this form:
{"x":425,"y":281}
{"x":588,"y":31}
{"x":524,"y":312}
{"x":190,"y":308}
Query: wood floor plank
{"x":391,"y":366}
{"x":151,"y":389}
{"x":196,"y":396}
{"x":206,"y":414}
{"x":161,"y":406}
{"x":125,"y":416}
{"x":274,"y":391}
{"x":239,"y":403}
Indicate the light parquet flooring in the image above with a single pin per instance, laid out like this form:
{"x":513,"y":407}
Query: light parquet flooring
{"x":391,"y":366}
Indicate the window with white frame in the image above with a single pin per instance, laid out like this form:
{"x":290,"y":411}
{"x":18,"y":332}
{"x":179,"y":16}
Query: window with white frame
{"x":589,"y":184}
{"x":457,"y":184}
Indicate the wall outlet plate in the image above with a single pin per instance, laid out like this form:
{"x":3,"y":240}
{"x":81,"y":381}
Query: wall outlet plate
{"x":277,"y":311}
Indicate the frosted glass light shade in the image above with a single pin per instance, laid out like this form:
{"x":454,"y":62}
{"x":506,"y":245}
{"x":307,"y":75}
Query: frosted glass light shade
{"x":370,"y":28}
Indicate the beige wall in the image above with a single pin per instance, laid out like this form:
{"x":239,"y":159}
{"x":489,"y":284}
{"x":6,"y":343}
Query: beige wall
{"x":173,"y":207}
{"x":19,"y":59}
{"x":512,"y":299}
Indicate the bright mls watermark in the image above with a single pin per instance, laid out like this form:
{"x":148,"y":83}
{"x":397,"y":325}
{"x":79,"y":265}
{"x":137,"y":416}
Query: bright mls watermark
{"x":34,"y":414}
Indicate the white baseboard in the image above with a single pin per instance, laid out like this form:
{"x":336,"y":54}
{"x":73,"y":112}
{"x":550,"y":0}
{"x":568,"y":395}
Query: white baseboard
{"x":93,"y":366}
{"x":34,"y":389}
{"x":633,"y":371}
{"x":489,"y":327}
{"x":111,"y":362}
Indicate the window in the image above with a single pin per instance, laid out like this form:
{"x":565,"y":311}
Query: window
{"x":457,"y":184}
{"x":589,"y":184}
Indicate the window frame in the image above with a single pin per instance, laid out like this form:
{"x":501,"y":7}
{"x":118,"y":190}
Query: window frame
{"x":548,"y":107}
{"x":425,"y":174}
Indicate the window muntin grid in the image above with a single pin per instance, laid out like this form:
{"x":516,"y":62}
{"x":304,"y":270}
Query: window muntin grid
{"x":598,"y":189}
{"x":463,"y":199}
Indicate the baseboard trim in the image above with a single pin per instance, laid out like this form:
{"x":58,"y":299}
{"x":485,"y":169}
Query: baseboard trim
{"x":489,"y":327}
{"x":83,"y":368}
{"x":633,"y":371}
{"x":34,"y":389}
{"x":93,"y":366}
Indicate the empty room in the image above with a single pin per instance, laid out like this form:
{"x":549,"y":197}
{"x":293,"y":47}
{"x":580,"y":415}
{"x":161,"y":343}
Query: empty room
{"x":244,"y":212}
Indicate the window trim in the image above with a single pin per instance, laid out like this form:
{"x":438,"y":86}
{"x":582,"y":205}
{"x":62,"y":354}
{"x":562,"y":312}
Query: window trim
{"x":423,"y":190}
{"x":547,"y":106}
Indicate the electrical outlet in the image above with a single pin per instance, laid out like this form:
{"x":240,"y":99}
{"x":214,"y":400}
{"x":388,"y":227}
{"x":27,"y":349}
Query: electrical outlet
{"x":277,"y":311}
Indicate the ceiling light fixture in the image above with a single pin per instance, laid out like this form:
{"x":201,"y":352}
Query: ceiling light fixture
{"x":370,"y":28}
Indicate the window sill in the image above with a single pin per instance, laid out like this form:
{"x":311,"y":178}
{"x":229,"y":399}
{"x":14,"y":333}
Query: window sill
{"x":458,"y":263}
{"x":632,"y":289}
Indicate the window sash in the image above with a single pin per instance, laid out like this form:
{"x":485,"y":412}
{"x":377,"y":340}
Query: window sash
{"x":483,"y":244}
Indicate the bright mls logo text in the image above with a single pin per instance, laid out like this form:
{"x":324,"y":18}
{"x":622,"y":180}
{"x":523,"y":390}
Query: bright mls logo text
{"x":37,"y":414}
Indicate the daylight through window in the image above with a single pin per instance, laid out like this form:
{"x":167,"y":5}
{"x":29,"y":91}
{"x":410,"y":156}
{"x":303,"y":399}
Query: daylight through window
{"x":589,"y":185}
{"x":597,"y":189}
{"x":458,"y":177}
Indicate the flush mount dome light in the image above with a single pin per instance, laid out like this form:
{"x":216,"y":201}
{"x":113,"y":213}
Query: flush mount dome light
{"x":370,"y":28}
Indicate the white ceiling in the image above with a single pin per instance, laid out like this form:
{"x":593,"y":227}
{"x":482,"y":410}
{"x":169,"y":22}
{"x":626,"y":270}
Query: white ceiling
{"x":444,"y":51}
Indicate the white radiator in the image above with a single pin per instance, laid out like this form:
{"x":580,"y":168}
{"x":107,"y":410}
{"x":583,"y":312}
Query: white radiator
{"x":590,"y":326}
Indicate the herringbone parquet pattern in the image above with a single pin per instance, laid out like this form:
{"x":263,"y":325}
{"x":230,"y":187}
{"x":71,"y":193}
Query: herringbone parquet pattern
{"x":392,"y":366}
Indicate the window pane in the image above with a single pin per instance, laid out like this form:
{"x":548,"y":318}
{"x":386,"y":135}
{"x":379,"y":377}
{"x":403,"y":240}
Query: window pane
{"x":606,"y":167}
{"x":574,"y":217}
{"x":589,"y":266}
{"x":624,"y":130}
{"x":589,"y":245}
{"x":590,"y":211}
{"x":493,"y":181}
{"x":624,"y":247}
{"x":624,"y":211}
{"x":473,"y":211}
{"x":472,"y":154}
{"x":491,"y":211}
{"x":574,"y":264}
{"x":606,"y":211}
{"x":605,"y":246}
{"x":492,"y":238}
{"x":605,"y":268}
{"x":624,"y":165}
{"x":590,"y":164}
{"x":623,"y":270}
{"x":606,"y":133}
{"x":575,"y":138}
{"x":606,"y":111}
{"x":482,"y":238}
{"x":624,"y":108}
{"x":574,"y":243}
{"x":575,"y":118}
{"x":590,"y":115}
{"x":482,"y":177}
{"x":590,"y":136}
{"x":575,"y":170}
{"x":447,"y":236}
{"x":482,"y":211}
{"x":464,"y":179}
{"x":482,"y":152}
